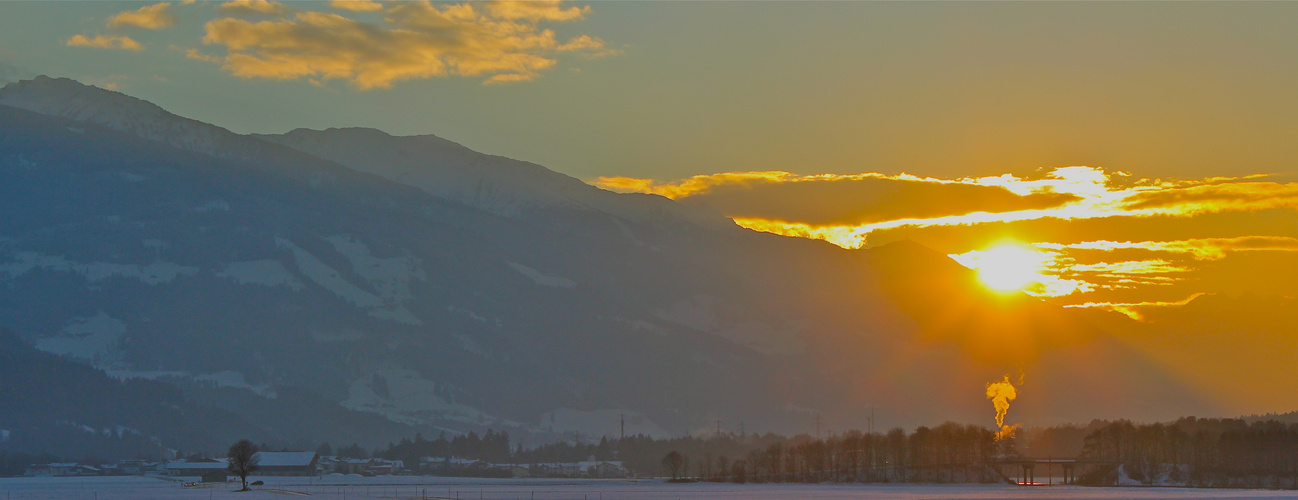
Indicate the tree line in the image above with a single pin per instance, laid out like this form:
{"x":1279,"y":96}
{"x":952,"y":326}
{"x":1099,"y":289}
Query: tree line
{"x":1189,"y":451}
{"x":743,"y":457}
{"x":1200,"y":452}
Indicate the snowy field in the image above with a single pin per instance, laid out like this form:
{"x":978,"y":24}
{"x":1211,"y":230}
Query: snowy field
{"x":143,"y":488}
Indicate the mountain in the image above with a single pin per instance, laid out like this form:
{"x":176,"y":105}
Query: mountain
{"x":409,"y":278}
{"x":493,"y":183}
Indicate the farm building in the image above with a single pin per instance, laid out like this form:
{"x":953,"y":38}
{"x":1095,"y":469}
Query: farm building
{"x":286,"y":463}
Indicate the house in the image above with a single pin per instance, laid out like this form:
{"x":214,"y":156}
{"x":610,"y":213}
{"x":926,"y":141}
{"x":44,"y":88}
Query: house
{"x":513,"y":470}
{"x":65,"y":469}
{"x":351,"y":465}
{"x":602,"y":468}
{"x":327,"y":464}
{"x":589,"y":468}
{"x":85,"y":470}
{"x":207,"y":470}
{"x":382,"y":467}
{"x":47,"y":470}
{"x":138,"y":467}
{"x":570,"y":469}
{"x":286,"y":463}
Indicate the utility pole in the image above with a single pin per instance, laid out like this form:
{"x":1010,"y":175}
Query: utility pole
{"x":718,"y":428}
{"x":622,"y":425}
{"x":741,"y":430}
{"x":817,"y":425}
{"x":872,"y":443}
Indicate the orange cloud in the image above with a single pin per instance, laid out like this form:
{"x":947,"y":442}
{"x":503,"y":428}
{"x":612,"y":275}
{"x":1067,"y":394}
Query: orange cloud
{"x":1217,"y":197}
{"x":830,"y":199}
{"x":1058,"y":205}
{"x":1156,"y":266}
{"x":356,"y":5}
{"x":1199,"y":248}
{"x":105,"y":42}
{"x":793,"y":205}
{"x":625,"y":184}
{"x":417,"y":40}
{"x":1132,"y":309}
{"x":150,"y":17}
{"x":843,"y":236}
{"x":535,"y":10}
{"x":265,"y":7}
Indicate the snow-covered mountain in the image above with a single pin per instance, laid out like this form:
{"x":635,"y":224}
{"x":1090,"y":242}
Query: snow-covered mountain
{"x":435,"y":165}
{"x":441,"y":288}
{"x":493,"y":183}
{"x":70,"y":99}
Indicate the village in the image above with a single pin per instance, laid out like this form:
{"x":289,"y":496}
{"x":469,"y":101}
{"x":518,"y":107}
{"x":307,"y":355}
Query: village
{"x":311,"y":464}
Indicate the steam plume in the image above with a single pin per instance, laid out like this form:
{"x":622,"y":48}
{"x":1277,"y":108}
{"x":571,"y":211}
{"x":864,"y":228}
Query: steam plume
{"x":1001,"y":393}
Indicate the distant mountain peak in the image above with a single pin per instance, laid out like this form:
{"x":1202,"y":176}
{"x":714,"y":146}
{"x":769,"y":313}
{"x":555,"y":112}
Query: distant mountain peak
{"x":496,"y":184}
{"x":435,"y":165}
{"x":68,"y":98}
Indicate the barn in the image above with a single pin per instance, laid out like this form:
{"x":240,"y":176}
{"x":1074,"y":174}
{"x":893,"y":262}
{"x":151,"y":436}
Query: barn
{"x":210,"y":471}
{"x":286,"y":463}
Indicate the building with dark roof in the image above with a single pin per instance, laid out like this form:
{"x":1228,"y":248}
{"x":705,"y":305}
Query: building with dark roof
{"x":286,"y":463}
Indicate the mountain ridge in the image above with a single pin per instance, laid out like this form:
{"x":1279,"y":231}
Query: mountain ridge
{"x":269,"y":267}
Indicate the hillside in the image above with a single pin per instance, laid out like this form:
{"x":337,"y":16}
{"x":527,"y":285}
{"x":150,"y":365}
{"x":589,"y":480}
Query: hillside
{"x":412,"y":279}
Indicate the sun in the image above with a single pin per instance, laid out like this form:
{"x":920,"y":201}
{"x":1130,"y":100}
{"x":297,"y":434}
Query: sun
{"x":1006,"y":268}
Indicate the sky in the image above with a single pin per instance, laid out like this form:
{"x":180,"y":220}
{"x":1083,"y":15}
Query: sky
{"x":1121,"y":156}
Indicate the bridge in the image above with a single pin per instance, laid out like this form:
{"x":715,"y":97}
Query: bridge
{"x":1026,"y":468}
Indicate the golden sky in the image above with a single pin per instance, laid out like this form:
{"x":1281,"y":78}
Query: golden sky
{"x":1085,"y":236}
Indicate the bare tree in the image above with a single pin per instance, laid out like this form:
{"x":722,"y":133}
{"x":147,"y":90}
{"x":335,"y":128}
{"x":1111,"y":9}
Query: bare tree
{"x":673,"y":463}
{"x":243,"y":460}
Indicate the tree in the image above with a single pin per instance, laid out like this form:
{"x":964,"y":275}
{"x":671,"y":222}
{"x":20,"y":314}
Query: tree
{"x":673,"y":463}
{"x":243,"y":460}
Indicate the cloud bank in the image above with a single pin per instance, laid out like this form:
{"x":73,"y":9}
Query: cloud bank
{"x":846,"y":209}
{"x":371,"y":44}
{"x":1055,"y":214}
{"x":149,"y":17}
{"x":501,"y":42}
{"x":105,"y":42}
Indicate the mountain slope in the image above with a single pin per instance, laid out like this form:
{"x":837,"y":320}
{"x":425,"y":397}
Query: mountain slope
{"x":145,"y":259}
{"x":438,"y":287}
{"x":492,"y":183}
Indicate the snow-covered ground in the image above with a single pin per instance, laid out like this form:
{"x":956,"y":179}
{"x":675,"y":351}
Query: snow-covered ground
{"x":356,"y":488}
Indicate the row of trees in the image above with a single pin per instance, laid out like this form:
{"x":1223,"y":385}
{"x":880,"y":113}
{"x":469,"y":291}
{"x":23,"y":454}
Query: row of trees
{"x":949,"y":452}
{"x":1209,"y":452}
{"x":491,"y":447}
{"x":1201,"y":452}
{"x":849,"y":456}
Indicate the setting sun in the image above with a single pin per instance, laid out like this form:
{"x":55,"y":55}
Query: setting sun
{"x":1006,"y":268}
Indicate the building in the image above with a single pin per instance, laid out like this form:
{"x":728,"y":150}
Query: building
{"x":61,"y":470}
{"x":603,"y":468}
{"x":589,"y":468}
{"x":286,"y":463}
{"x":351,"y":465}
{"x":208,"y":470}
{"x":327,"y":464}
